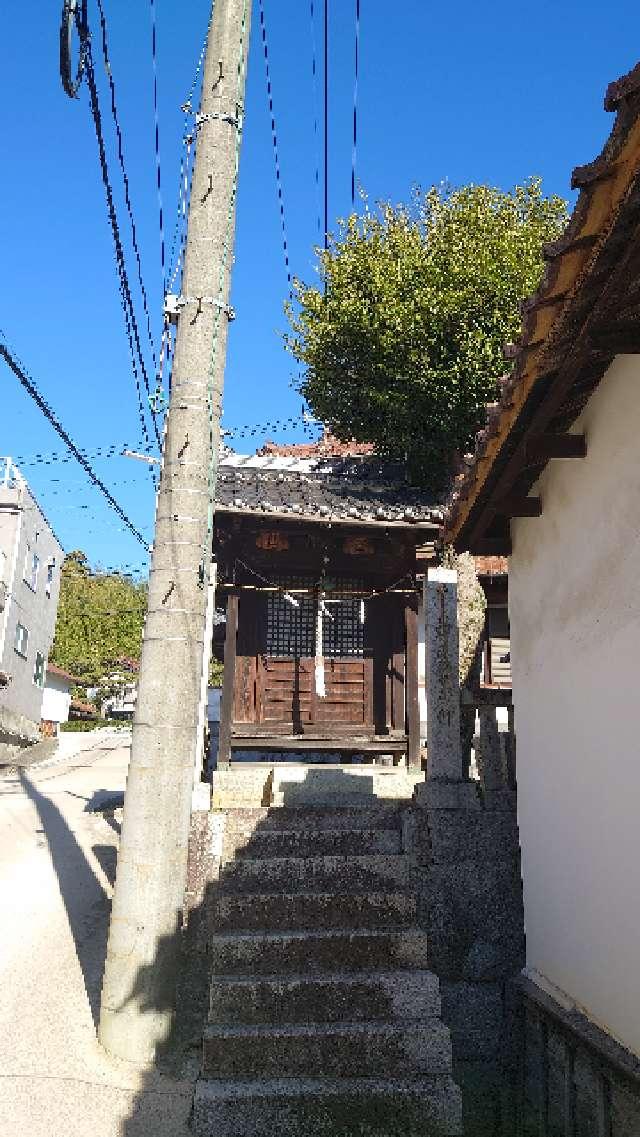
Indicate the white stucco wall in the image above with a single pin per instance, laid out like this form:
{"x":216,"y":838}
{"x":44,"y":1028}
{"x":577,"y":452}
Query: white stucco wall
{"x":574,"y":599}
{"x":56,"y":699}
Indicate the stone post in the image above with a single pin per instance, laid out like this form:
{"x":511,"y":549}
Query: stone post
{"x":490,"y":761}
{"x":444,"y":756}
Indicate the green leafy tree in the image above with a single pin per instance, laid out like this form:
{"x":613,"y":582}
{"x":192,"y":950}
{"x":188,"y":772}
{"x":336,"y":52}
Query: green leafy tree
{"x":402,"y":343}
{"x":100,"y":619}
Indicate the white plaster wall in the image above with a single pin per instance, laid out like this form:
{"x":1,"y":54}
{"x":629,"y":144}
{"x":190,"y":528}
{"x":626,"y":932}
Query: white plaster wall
{"x":574,"y":599}
{"x":56,"y":699}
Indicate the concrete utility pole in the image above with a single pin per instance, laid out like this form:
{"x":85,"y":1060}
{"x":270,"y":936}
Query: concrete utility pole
{"x":138,"y":992}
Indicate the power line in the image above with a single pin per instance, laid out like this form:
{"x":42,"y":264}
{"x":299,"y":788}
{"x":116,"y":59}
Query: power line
{"x":326,"y":124}
{"x":274,"y":138}
{"x":131,"y":324}
{"x":154,"y":36}
{"x":355,"y":105}
{"x":186,"y":174}
{"x":111,"y":451}
{"x":125,"y":178}
{"x":114,"y":449}
{"x":316,"y":129}
{"x":30,"y":387}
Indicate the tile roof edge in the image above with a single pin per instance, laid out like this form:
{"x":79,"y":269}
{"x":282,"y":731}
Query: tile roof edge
{"x":604,"y":185}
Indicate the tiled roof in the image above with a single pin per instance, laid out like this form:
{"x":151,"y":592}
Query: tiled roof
{"x":324,"y":489}
{"x":60,"y":673}
{"x":572,"y":328}
{"x":327,"y":446}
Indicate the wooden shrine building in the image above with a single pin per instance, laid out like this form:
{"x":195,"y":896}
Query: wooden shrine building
{"x":316,"y":557}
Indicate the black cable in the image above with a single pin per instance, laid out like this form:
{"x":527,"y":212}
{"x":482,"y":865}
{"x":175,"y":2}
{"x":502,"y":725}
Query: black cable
{"x":154,"y":57}
{"x":125,"y":178}
{"x":326,"y":124}
{"x":274,"y":138}
{"x":316,"y":128}
{"x":131,"y":324}
{"x":355,"y":106}
{"x":74,"y":15}
{"x":30,"y":387}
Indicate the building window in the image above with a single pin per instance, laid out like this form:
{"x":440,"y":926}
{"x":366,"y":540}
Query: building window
{"x":38,"y":671}
{"x":31,"y":569}
{"x":292,"y":628}
{"x":50,"y":567}
{"x":21,"y":640}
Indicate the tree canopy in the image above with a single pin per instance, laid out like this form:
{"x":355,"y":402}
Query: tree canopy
{"x":402,"y":342}
{"x":100,"y":619}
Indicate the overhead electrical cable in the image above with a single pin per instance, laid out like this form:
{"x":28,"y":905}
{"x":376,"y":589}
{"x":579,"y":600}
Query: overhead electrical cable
{"x":355,"y":105}
{"x":125,"y":178}
{"x":316,"y":128}
{"x":326,"y":124}
{"x":154,"y":58}
{"x":31,"y":388}
{"x":274,"y":138}
{"x":186,"y":175}
{"x":131,"y":323}
{"x":72,"y":14}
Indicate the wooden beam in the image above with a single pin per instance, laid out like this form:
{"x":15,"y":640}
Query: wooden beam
{"x":348,"y":743}
{"x":228,"y":681}
{"x":617,"y":339}
{"x":411,"y":684}
{"x":519,"y":506}
{"x":542,"y":447}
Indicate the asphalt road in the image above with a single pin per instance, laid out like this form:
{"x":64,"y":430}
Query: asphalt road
{"x":57,"y":866}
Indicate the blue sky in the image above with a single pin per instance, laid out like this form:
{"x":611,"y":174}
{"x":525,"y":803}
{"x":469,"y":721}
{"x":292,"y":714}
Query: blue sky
{"x":466,"y":92}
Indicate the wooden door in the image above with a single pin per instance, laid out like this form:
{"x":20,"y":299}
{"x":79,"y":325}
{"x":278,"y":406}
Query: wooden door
{"x":276,"y":685}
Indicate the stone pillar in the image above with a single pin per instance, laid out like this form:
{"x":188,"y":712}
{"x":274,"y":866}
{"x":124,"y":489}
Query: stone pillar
{"x":490,"y":759}
{"x":444,"y":757}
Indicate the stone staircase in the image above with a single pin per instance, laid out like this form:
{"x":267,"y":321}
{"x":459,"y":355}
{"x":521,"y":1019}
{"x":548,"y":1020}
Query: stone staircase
{"x":324,"y":1019}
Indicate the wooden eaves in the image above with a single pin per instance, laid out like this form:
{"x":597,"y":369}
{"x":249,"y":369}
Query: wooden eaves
{"x":586,"y":311}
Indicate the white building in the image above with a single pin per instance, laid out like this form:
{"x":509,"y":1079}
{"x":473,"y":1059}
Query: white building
{"x":30,"y":562}
{"x":56,"y":698}
{"x":556,"y":482}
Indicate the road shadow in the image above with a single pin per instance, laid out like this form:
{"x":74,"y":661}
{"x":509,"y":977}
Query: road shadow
{"x":86,"y":903}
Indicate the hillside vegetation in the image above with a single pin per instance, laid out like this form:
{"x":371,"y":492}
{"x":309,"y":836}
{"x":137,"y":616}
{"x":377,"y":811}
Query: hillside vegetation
{"x":100,"y":619}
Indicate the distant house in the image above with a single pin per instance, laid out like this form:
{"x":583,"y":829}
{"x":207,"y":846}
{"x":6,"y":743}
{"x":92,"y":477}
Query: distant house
{"x":56,"y":699}
{"x":30,"y":561}
{"x":555,"y":483}
{"x":121,"y":702}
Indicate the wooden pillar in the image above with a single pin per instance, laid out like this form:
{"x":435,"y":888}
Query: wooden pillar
{"x":228,"y":681}
{"x":411,"y":683}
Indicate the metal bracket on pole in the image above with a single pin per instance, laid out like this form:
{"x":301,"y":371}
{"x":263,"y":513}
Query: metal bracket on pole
{"x":173,"y":306}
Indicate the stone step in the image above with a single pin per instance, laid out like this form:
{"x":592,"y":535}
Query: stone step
{"x":312,"y":842}
{"x":299,"y":785}
{"x":332,"y":1049}
{"x":318,"y":952}
{"x":301,"y":795}
{"x":325,"y":1107}
{"x":376,"y":815}
{"x":385,"y":996}
{"x":321,"y":874}
{"x":282,"y":910}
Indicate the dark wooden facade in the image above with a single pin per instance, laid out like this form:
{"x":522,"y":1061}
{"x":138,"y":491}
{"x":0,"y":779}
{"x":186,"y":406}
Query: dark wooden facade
{"x":363,"y":578}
